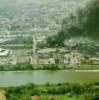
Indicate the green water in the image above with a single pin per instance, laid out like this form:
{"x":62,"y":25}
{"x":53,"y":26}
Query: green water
{"x":13,"y":78}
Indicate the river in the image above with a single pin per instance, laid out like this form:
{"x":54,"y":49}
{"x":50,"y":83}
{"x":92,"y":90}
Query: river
{"x":14,"y":78}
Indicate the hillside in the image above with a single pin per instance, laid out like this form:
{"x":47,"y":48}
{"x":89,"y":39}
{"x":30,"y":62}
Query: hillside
{"x":28,"y":16}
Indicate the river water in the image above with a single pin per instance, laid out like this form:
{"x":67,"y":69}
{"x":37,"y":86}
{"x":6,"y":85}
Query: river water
{"x":14,"y":78}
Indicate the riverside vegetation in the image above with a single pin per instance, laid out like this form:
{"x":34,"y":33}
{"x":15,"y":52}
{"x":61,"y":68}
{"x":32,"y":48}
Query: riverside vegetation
{"x":68,"y":91}
{"x":26,"y":66}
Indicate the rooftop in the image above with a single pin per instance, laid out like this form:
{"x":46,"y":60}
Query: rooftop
{"x":49,"y":50}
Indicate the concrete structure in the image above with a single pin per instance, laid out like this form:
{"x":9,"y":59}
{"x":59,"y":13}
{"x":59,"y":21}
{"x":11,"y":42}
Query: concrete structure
{"x":51,"y":61}
{"x":34,"y":51}
{"x":94,"y":60}
{"x":7,"y":61}
{"x":5,"y":58}
{"x":73,"y":58}
{"x":50,"y":55}
{"x":4,"y":52}
{"x":12,"y":57}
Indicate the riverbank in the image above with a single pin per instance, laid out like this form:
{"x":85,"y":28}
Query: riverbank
{"x":27,"y":67}
{"x":67,"y":91}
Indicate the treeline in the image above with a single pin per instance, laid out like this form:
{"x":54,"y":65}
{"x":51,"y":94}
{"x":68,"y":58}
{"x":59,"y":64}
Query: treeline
{"x":27,"y":66}
{"x":85,"y":65}
{"x":26,"y":91}
{"x":23,"y":66}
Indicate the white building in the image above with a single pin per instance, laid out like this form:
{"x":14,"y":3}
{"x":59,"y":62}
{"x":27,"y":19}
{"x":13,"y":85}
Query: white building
{"x":73,"y":58}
